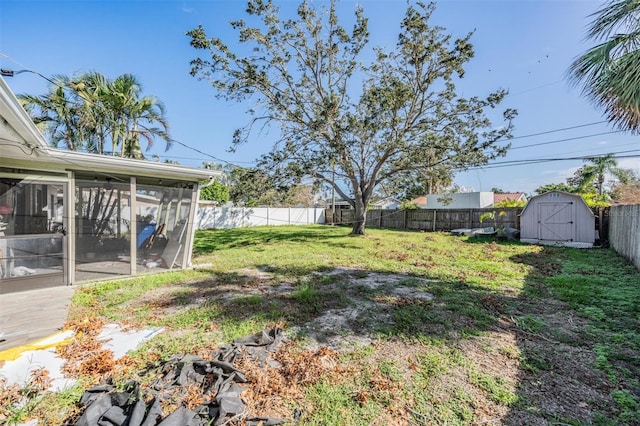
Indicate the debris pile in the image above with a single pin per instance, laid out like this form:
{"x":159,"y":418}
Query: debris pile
{"x":202,"y":392}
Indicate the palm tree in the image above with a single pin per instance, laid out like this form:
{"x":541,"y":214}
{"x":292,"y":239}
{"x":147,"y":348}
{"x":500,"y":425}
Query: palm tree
{"x":135,"y":117}
{"x":594,"y":173}
{"x":58,"y":113}
{"x":91,"y":89}
{"x":609,"y":72}
{"x":89,"y":111}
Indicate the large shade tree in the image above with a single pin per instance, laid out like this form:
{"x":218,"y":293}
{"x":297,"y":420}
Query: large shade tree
{"x":91,"y":113}
{"x":608,"y":72}
{"x":342,"y":121}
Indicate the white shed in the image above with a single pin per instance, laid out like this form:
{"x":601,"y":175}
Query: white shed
{"x":558,"y":218}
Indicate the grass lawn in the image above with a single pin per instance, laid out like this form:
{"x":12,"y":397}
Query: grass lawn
{"x":390,"y":328}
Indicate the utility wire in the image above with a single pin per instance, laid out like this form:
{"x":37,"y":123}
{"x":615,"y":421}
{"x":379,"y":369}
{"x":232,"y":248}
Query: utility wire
{"x":207,"y":154}
{"x":545,"y":160}
{"x":596,"y":149}
{"x":173,"y":157}
{"x":558,"y":130}
{"x":566,"y":139}
{"x":25,"y":69}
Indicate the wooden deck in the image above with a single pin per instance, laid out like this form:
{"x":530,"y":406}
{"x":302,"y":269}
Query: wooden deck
{"x":32,"y":315}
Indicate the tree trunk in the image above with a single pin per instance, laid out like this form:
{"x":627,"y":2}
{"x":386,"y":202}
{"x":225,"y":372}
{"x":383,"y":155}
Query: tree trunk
{"x":360,"y":218}
{"x":600,"y":184}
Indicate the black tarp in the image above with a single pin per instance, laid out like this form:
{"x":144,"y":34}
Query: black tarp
{"x":217,"y":379}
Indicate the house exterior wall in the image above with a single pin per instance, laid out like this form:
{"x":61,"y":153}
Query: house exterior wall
{"x":558,"y":218}
{"x":462,"y":200}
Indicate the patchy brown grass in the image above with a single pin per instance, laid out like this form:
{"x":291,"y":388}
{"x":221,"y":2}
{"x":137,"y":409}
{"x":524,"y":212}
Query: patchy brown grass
{"x":403,"y":327}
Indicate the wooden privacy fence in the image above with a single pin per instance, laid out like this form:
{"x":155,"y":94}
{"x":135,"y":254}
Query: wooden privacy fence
{"x":624,"y":231}
{"x":431,"y":220}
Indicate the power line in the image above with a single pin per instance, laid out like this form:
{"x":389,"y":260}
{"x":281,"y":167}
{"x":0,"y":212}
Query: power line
{"x":207,"y":154}
{"x":172,"y":157}
{"x":558,"y":130}
{"x":596,"y":149}
{"x":545,"y":160}
{"x":567,"y":139}
{"x":10,"y":73}
{"x":534,"y":88}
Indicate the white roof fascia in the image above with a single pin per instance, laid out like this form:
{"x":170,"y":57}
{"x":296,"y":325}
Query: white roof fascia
{"x":82,"y":161}
{"x":12,"y":111}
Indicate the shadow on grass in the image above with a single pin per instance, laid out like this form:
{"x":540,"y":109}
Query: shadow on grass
{"x":577,"y":327}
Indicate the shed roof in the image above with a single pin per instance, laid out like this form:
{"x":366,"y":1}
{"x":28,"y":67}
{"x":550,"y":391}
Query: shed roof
{"x":577,"y":196}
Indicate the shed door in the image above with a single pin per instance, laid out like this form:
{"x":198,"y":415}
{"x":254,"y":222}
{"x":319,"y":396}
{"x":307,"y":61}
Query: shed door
{"x":556,"y":221}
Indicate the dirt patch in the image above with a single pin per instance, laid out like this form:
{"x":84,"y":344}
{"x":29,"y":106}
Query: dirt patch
{"x":367,"y":294}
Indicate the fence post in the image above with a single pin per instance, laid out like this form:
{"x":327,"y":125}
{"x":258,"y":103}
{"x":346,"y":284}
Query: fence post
{"x":405,"y":219}
{"x":379,"y":218}
{"x":434,"y":220}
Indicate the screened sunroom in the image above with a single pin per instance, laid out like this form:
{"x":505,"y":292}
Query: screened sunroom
{"x":69,"y":217}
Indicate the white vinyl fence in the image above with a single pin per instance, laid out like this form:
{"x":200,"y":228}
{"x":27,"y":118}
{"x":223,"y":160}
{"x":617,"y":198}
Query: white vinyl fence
{"x":210,"y":217}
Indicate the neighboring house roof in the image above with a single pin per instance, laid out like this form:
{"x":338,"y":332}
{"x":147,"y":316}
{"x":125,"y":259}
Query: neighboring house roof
{"x":420,"y":201}
{"x":517,"y":196}
{"x":387,"y":202}
{"x":23,"y":141}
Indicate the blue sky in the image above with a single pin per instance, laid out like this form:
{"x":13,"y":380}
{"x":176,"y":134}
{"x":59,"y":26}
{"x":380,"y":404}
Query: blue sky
{"x":522,"y":46}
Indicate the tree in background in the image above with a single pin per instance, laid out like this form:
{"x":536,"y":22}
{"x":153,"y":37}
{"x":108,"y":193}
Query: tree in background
{"x":418,"y":183}
{"x":594,"y":174}
{"x":252,"y":187}
{"x":215,"y":192}
{"x":343,"y":122}
{"x":556,"y":187}
{"x":90,"y":113}
{"x":589,"y":182}
{"x":609,"y":72}
{"x":59,"y":114}
{"x":509,"y":202}
{"x":627,"y":193}
{"x":157,"y":159}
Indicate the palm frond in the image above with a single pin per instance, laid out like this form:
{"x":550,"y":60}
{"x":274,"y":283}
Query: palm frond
{"x":609,"y":73}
